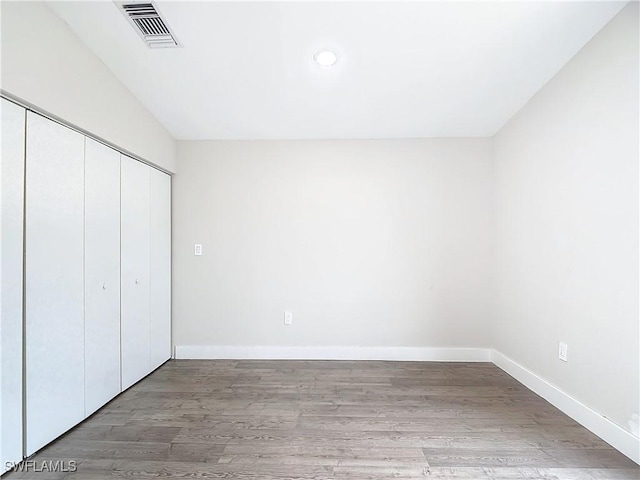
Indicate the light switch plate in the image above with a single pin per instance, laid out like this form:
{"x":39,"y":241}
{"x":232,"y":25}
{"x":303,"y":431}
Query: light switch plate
{"x":288,"y":318}
{"x":563,"y":351}
{"x":197,"y":249}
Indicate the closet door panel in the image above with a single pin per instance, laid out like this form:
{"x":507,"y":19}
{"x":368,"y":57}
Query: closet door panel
{"x":11,"y":257}
{"x":102,"y":275}
{"x":54,"y":280}
{"x":135,"y":271}
{"x":160,"y":244}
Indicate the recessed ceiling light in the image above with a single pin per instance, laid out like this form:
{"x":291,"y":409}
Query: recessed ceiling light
{"x":325,"y":58}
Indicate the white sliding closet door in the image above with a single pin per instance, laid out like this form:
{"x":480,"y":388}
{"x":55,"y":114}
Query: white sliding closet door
{"x":160,"y":242}
{"x":11,"y":255}
{"x":54,"y":280}
{"x":135,"y":270}
{"x":102,"y":275}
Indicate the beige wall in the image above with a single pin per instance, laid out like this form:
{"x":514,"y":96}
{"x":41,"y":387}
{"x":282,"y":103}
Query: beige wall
{"x":369,"y":243}
{"x":45,"y":64}
{"x":566,"y":206}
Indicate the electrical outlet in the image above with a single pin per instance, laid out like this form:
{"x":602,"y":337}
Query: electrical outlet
{"x":563,"y":351}
{"x":197,"y":249}
{"x":288,"y":318}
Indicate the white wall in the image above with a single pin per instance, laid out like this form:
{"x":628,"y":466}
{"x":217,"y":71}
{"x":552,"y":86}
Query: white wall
{"x":566,"y":206}
{"x":369,"y":243}
{"x":45,"y":64}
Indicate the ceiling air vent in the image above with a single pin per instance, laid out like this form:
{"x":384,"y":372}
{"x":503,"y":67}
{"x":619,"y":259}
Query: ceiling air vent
{"x":149,"y":24}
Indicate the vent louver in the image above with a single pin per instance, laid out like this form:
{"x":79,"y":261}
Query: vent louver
{"x":146,"y":20}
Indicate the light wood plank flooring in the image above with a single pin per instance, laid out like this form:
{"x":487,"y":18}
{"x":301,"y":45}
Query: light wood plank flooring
{"x":335,"y":420}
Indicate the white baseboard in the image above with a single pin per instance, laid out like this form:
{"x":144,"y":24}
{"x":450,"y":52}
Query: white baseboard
{"x":604,"y":428}
{"x":420,"y":354}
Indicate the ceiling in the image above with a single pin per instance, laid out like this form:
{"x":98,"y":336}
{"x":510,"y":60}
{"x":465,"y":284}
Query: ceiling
{"x":404,"y":69}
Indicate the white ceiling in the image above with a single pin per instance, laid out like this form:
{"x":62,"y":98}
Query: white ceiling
{"x":412,"y":69}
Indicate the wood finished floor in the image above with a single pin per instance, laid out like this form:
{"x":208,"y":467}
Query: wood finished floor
{"x":334,"y":420}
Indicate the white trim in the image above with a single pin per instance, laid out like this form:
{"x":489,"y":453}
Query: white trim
{"x":617,"y":437}
{"x":420,"y":354}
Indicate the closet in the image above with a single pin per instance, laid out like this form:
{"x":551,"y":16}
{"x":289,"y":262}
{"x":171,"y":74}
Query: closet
{"x":54,"y":280}
{"x":12,"y":128}
{"x":146,"y":270}
{"x":101,"y":275}
{"x":95,"y":241}
{"x":135,"y":271}
{"x":160,"y":268}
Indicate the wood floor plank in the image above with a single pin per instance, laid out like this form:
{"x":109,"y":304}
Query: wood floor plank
{"x":331,"y":420}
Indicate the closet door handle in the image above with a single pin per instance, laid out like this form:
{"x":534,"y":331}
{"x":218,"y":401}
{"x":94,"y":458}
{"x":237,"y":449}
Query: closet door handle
{"x":104,"y":286}
{"x":137,"y":281}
